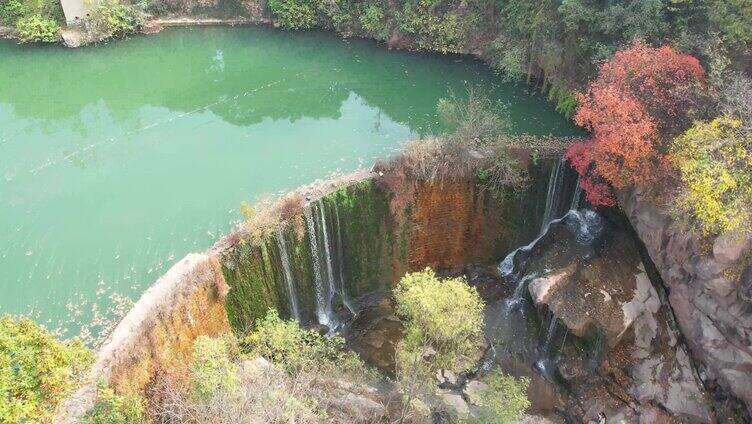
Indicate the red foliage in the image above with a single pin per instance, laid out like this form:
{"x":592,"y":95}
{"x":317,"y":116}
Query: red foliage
{"x":598,"y":193}
{"x":641,"y":95}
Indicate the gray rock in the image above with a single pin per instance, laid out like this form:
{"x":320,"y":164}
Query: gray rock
{"x":454,"y":403}
{"x":361,"y":405}
{"x":72,"y":37}
{"x":474,"y":391}
{"x":728,"y":249}
{"x":712,"y":314}
{"x":256,"y":367}
{"x":446,"y":376}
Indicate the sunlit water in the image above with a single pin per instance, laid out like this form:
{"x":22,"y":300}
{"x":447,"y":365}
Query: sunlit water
{"x":117,"y":160}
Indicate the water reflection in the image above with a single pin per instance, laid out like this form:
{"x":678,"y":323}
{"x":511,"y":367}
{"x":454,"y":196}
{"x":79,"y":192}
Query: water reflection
{"x":119,"y":159}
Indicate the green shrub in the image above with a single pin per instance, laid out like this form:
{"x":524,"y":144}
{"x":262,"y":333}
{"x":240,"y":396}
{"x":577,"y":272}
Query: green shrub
{"x":505,"y":400}
{"x":433,"y":27}
{"x":112,"y":408}
{"x":37,"y":29}
{"x":37,"y":371}
{"x":565,"y":100}
{"x":715,"y":164}
{"x":373,"y":21}
{"x":443,"y":323}
{"x":111,"y":18}
{"x":11,"y":11}
{"x":294,"y":349}
{"x":508,"y":58}
{"x":441,"y":315}
{"x":294,"y":14}
{"x":212,"y":370}
{"x":226,"y":388}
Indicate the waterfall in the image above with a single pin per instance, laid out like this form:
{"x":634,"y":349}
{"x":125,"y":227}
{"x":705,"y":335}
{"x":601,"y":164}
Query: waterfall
{"x":550,"y":331}
{"x":322,"y":311}
{"x":554,"y":192}
{"x":289,"y":281}
{"x":341,"y":262}
{"x":547,"y":355}
{"x":594,"y":355}
{"x":585,"y":225}
{"x":577,"y":197}
{"x":331,"y":288}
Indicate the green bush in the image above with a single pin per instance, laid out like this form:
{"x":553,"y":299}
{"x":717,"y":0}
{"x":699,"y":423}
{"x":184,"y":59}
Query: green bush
{"x":287,"y":345}
{"x":508,"y":58}
{"x":37,"y":371}
{"x":565,"y":100}
{"x":11,"y":11}
{"x":433,"y":27}
{"x":443,"y":323}
{"x":37,"y":29}
{"x":373,"y":21}
{"x":294,"y":14}
{"x":505,"y":400}
{"x":445,"y":316}
{"x":112,"y":408}
{"x":111,"y":18}
{"x":212,"y":370}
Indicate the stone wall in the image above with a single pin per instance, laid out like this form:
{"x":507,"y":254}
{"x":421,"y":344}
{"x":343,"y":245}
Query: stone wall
{"x":442,"y":225}
{"x":709,"y":286}
{"x":157,"y":334}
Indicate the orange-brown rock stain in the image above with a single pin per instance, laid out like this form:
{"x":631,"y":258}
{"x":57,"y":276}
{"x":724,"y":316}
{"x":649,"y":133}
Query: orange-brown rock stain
{"x":452,"y":224}
{"x":168,"y":343}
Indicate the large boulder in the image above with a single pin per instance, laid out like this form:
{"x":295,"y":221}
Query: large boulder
{"x":604,"y":294}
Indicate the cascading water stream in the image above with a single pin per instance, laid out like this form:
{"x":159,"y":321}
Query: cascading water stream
{"x":341,"y":262}
{"x":289,"y":280}
{"x":548,"y":351}
{"x":563,"y":226}
{"x":322,"y":313}
{"x":577,"y":197}
{"x":331,"y":289}
{"x":555,"y":183}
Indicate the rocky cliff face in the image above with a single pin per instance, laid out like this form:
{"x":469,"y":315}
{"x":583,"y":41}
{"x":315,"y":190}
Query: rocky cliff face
{"x":709,"y":286}
{"x":157,"y":334}
{"x":622,"y":354}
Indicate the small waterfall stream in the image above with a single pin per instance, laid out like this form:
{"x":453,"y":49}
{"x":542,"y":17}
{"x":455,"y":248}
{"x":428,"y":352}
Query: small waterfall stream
{"x":555,"y":182}
{"x":562,"y":213}
{"x":330,"y":289}
{"x":322,"y":312}
{"x":289,"y":280}
{"x":327,"y":259}
{"x":577,"y":198}
{"x":342,"y":287}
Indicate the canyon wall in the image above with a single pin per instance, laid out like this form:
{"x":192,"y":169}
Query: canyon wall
{"x":342,"y":239}
{"x":367,"y":235}
{"x":709,"y":287}
{"x":357,"y":234}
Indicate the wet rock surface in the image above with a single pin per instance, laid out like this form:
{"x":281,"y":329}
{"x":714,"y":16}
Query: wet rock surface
{"x":708,"y":282}
{"x":604,"y":334}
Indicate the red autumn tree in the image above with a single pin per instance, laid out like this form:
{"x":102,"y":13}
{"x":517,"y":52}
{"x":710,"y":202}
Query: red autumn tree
{"x":642,"y":95}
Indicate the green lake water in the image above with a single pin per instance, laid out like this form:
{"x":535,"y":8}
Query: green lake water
{"x":117,"y":160}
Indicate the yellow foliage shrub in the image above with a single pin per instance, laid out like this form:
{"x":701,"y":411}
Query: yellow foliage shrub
{"x":714,"y":160}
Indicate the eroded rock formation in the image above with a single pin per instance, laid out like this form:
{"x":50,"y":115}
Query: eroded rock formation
{"x":599,"y":290}
{"x":708,"y":286}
